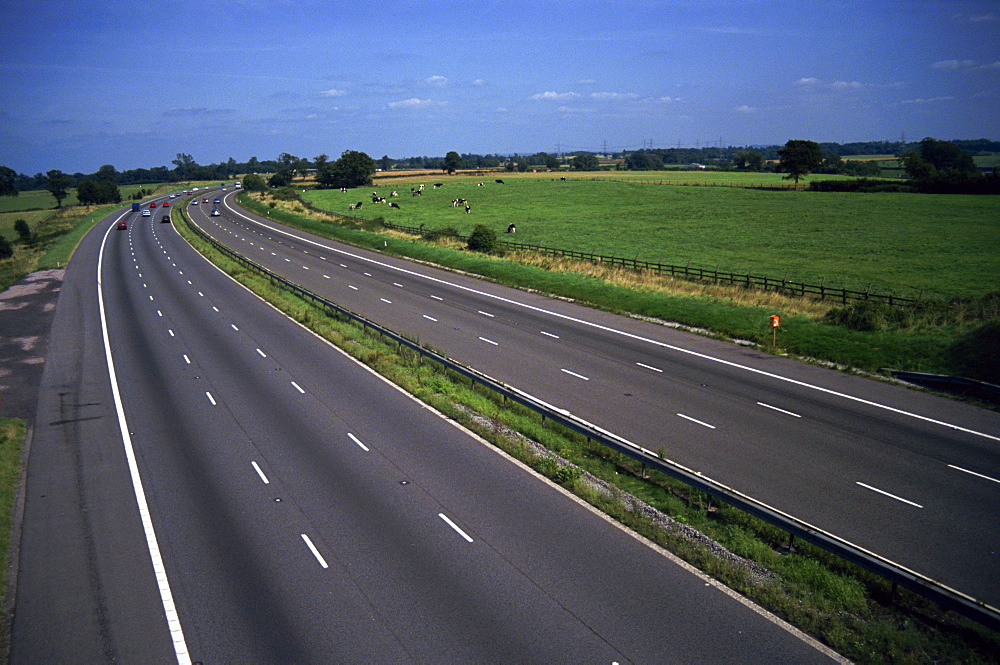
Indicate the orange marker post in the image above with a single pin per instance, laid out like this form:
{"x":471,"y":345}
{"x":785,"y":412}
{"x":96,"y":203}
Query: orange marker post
{"x":775,"y":324}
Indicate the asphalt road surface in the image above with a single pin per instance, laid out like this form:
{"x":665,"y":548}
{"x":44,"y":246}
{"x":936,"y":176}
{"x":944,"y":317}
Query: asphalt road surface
{"x":210,"y":482}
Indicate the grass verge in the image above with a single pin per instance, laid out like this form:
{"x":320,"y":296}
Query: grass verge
{"x":12,"y":433}
{"x":852,"y":611}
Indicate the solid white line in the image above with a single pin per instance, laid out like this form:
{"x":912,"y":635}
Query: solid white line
{"x":489,"y":341}
{"x":312,"y":548}
{"x":357,"y":441}
{"x":455,"y":527}
{"x":696,"y":421}
{"x":655,"y":369}
{"x":579,"y":376}
{"x":486,"y":314}
{"x":159,"y":571}
{"x":548,"y":334}
{"x":958,"y":468}
{"x":787,"y":413}
{"x":892,"y":496}
{"x":678,"y":349}
{"x":298,"y":387}
{"x":260,"y":473}
{"x":431,"y":318}
{"x":210,"y":398}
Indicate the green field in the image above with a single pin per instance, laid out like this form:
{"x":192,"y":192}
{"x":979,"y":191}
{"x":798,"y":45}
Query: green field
{"x":907,"y":244}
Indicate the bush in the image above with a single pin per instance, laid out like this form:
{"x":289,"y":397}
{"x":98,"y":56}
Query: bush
{"x":866,"y":185}
{"x":436,"y":234}
{"x":6,"y":251}
{"x":977,"y":354}
{"x":484,"y":239}
{"x":23,"y":230}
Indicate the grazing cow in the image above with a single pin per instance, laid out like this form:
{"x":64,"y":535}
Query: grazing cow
{"x":562,"y":178}
{"x":393,"y":204}
{"x":417,"y":192}
{"x":499,"y":181}
{"x":481,"y":184}
{"x":350,"y":207}
{"x":394,"y":194}
{"x":343,"y":189}
{"x":468,"y":208}
{"x":457,"y":202}
{"x":438,"y":184}
{"x":511,"y":229}
{"x":421,"y":188}
{"x":359,"y":204}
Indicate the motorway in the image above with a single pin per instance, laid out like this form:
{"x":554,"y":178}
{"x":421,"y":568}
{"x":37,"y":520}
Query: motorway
{"x":908,"y":475}
{"x":209,"y":482}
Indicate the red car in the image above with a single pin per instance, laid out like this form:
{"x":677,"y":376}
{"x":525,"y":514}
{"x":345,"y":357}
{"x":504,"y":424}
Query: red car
{"x":152,"y":205}
{"x":165,"y":204}
{"x":122,"y":226}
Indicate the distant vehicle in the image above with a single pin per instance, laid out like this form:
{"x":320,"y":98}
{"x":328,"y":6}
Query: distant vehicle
{"x":195,"y":189}
{"x":165,"y":219}
{"x":122,"y":226}
{"x":146,"y":213}
{"x":215,"y":212}
{"x":194,"y":202}
{"x":204,"y":200}
{"x":152,"y":205}
{"x":237,"y":185}
{"x":165,"y":204}
{"x":216,"y":201}
{"x":136,"y":205}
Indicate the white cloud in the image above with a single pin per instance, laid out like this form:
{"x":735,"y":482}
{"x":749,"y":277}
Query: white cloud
{"x":807,"y":81}
{"x":950,"y":65}
{"x":743,"y":108}
{"x":479,"y":82}
{"x":436,"y":80}
{"x":554,"y":95}
{"x":841,"y":85}
{"x":613,"y":95}
{"x":931,"y":100}
{"x":413,"y":102}
{"x":992,"y":65}
{"x":333,"y":92}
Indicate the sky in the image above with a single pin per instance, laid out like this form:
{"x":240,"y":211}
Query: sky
{"x":133,"y":83}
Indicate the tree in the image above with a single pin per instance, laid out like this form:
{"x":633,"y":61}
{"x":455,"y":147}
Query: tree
{"x":748,"y":160}
{"x":185,"y":166}
{"x":107,"y":172}
{"x":254,"y":183}
{"x":58,"y":183}
{"x":484,"y":239}
{"x":946,"y":156}
{"x":799,"y":159}
{"x":551,"y":161}
{"x":23,"y":230}
{"x":585,"y":162}
{"x":453,"y":162}
{"x":7,"y":181}
{"x":641,"y":161}
{"x":385,"y":163}
{"x":916,"y":167}
{"x":6,"y":251}
{"x":353,"y":169}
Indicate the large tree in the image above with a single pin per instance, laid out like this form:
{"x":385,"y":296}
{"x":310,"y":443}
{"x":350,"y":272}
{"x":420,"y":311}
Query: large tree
{"x":58,"y":183}
{"x":453,"y":162}
{"x":799,"y":159}
{"x":353,"y":169}
{"x":946,"y":156}
{"x":7,"y":179}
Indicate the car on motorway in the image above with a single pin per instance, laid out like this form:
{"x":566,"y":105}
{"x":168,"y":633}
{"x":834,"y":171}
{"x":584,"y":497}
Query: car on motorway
{"x":165,"y":204}
{"x":215,"y":212}
{"x":122,"y":226}
{"x":194,"y":202}
{"x":204,"y":200}
{"x":216,"y":201}
{"x":152,"y":205}
{"x":165,"y":219}
{"x":146,"y":213}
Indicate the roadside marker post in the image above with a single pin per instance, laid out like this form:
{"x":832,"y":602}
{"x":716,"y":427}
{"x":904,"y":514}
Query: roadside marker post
{"x":775,"y":324}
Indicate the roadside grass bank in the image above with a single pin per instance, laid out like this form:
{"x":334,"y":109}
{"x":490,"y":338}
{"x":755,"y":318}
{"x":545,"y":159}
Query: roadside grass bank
{"x":12,"y":433}
{"x":844,"y":606}
{"x":728,"y":312}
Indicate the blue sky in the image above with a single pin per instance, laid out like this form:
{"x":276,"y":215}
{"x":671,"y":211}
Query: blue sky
{"x":132,"y":83}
